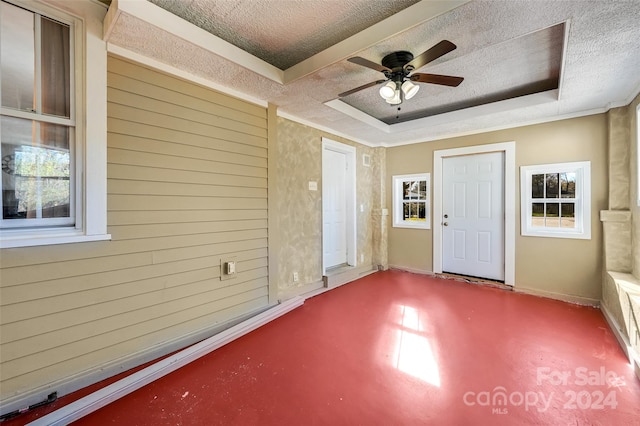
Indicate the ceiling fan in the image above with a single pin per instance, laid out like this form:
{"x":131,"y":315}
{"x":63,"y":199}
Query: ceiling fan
{"x":396,"y":68}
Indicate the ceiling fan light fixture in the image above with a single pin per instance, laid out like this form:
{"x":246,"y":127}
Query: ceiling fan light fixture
{"x":388,"y":91}
{"x":396,"y":99}
{"x":409,"y":89}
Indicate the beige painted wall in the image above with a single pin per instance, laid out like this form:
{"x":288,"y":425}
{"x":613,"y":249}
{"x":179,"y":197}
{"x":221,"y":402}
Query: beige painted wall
{"x":300,"y":210}
{"x":187,"y":186}
{"x":633,"y":192}
{"x":550,"y":266}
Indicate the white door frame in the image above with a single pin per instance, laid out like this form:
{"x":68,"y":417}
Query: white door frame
{"x":509,"y":149}
{"x":350,"y":193}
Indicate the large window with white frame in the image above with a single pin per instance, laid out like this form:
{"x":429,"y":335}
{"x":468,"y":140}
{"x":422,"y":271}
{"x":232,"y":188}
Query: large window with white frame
{"x":38,"y":120}
{"x":411,"y":206}
{"x":556,"y":200}
{"x":52,"y":143}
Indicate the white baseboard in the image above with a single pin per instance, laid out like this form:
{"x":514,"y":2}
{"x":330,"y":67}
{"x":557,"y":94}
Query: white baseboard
{"x":314,"y":289}
{"x":302,"y":291}
{"x":578,"y":300}
{"x":86,"y":378}
{"x":108,"y":394}
{"x":412,"y":270}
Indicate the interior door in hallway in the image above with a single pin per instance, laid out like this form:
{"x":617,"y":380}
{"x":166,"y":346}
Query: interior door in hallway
{"x":334,"y":217}
{"x":473,"y":215}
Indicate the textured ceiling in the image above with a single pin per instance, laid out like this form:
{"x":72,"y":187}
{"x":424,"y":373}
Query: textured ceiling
{"x":516,"y":67}
{"x":283,"y":32}
{"x":512,"y":54}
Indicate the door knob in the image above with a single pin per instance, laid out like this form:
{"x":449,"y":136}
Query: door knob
{"x":446,"y":224}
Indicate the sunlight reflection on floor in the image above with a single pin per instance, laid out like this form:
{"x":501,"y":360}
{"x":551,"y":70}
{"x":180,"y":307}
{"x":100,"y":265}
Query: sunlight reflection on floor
{"x":413,"y":354}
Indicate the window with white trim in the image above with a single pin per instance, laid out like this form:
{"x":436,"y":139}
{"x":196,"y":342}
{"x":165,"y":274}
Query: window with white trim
{"x":53,"y":181}
{"x":411,"y":206}
{"x":556,"y":200}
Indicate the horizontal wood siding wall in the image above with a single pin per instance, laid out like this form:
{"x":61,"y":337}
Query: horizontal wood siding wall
{"x":187,"y":185}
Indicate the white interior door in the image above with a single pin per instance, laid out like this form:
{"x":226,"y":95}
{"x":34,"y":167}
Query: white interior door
{"x":334,"y":183}
{"x":473,"y":215}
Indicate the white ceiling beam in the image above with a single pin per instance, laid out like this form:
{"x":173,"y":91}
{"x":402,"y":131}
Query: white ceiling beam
{"x":158,"y":17}
{"x":395,"y":24}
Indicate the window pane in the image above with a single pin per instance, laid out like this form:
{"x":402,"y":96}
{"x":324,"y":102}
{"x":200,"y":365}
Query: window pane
{"x":551,"y":181}
{"x":406,"y":190}
{"x":423,"y":189}
{"x":17,"y":55}
{"x":537,"y":214}
{"x":56,"y":92}
{"x":567,"y":185}
{"x":422,"y":212}
{"x":35,"y":174}
{"x":412,"y":190}
{"x":414,"y":211}
{"x":537,"y":186}
{"x":552,"y":213}
{"x":568,"y":215}
{"x":406,"y":211}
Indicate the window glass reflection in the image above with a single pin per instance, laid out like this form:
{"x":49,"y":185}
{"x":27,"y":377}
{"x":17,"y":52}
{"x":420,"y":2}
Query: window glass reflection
{"x":537,"y":186}
{"x":568,"y":185}
{"x":551,"y":185}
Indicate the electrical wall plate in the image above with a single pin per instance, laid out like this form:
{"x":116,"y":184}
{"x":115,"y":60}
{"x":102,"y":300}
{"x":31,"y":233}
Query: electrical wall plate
{"x":228,"y":268}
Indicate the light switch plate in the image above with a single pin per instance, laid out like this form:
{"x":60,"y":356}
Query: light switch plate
{"x":313,"y":186}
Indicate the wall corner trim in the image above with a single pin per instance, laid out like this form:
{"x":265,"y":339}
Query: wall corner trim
{"x":108,"y":394}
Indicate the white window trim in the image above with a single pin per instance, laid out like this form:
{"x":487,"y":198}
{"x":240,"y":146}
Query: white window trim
{"x":91,"y":153}
{"x":397,"y":181}
{"x":582,"y":200}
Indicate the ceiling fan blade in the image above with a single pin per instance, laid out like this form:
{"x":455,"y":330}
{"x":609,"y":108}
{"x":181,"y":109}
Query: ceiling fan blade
{"x":357,"y":89}
{"x":444,"y":80}
{"x":367,"y":63}
{"x":442,"y":48}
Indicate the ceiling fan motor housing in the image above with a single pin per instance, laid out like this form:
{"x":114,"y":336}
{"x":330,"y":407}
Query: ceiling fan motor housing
{"x":395,"y":62}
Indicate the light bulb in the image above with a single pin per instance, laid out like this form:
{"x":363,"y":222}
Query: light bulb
{"x":409,"y":89}
{"x":388,"y":91}
{"x":396,"y":99}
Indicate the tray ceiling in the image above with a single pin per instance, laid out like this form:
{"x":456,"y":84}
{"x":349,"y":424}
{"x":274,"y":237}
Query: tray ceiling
{"x":523,"y":61}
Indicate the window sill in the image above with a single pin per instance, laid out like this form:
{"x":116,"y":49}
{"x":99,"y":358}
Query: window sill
{"x":552,"y":234}
{"x":409,"y":226}
{"x":47,"y":237}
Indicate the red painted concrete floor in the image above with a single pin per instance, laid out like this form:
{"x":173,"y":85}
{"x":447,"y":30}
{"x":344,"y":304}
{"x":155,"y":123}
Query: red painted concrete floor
{"x":396,"y":348}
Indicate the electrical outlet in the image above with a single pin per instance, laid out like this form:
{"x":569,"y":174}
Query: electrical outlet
{"x":228,"y":268}
{"x":361,"y":257}
{"x":295,"y":277}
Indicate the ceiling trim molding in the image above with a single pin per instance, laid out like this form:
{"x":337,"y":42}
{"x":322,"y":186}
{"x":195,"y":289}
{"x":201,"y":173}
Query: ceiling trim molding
{"x":177,"y":72}
{"x":634,"y":94}
{"x":158,"y":17}
{"x":478,"y":111}
{"x":448,"y":117}
{"x":325,"y":129}
{"x":352,"y":112}
{"x":563,"y":59}
{"x":502,"y":127}
{"x":400,"y":22}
